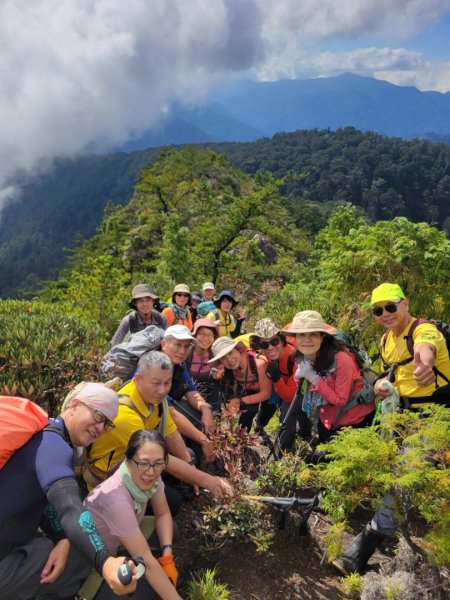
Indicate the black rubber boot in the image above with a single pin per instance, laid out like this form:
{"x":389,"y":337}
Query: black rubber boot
{"x":355,"y":558}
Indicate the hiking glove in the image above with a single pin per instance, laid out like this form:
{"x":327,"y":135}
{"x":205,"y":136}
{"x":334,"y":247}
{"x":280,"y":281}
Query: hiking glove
{"x":169,"y":568}
{"x":273,"y":372}
{"x":306,"y":371}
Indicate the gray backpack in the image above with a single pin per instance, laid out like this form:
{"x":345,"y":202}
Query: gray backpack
{"x":121,"y":361}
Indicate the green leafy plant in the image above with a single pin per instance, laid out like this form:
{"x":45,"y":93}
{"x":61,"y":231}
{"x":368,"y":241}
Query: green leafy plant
{"x":44,"y":351}
{"x":353,"y":585}
{"x":206,"y":587}
{"x":363,"y":467}
{"x":234,"y":518}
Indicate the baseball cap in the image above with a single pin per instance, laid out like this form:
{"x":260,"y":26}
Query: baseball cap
{"x":386,"y":292}
{"x":179,"y":332}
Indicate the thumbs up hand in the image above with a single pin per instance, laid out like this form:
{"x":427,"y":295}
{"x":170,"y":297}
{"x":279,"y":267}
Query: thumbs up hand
{"x":423,"y":368}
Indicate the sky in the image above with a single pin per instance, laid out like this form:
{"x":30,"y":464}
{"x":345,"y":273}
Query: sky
{"x":89,"y":74}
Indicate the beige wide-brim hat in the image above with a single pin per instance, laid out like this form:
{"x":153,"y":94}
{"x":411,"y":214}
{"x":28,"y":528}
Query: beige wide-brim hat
{"x":223,"y":346}
{"x":309,"y":321}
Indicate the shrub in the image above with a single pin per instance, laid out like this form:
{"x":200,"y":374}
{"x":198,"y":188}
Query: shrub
{"x":44,"y":351}
{"x":205,"y":587}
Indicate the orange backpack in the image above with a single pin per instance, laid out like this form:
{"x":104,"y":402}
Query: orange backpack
{"x":20,"y":419}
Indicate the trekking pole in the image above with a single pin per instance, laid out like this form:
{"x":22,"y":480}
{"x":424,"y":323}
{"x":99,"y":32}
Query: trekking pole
{"x":275,"y":446}
{"x":289,"y":503}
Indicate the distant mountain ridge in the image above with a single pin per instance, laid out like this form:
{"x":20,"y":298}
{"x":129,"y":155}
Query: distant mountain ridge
{"x":248,"y":110}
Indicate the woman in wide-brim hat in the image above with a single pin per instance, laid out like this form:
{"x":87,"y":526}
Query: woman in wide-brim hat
{"x":245,"y":383}
{"x":222,"y":317}
{"x":142,"y":314}
{"x":179,"y":313}
{"x":328,"y":376}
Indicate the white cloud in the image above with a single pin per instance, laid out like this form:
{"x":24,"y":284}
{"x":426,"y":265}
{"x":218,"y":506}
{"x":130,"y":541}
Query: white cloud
{"x":329,"y":18}
{"x":396,"y":65}
{"x":86,"y":74}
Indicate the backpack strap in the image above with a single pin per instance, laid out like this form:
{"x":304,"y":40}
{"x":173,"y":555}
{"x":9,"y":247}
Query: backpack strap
{"x":252,"y":363}
{"x":133,"y":321}
{"x":188,"y":360}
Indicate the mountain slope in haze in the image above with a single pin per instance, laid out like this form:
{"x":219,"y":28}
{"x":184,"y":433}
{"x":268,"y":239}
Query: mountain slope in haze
{"x":247,"y":110}
{"x":365,"y":103}
{"x":55,"y":209}
{"x":195,"y":125}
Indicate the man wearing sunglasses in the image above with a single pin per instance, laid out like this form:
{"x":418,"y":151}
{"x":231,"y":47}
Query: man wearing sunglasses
{"x":419,"y":376}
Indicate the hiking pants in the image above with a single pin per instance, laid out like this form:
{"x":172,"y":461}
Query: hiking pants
{"x":266,"y":412}
{"x":21,"y":567}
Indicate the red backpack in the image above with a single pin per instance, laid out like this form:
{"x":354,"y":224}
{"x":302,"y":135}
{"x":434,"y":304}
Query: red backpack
{"x":20,"y":419}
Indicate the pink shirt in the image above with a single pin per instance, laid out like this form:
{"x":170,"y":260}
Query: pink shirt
{"x":337,"y":391}
{"x":199,"y":368}
{"x":112,"y":509}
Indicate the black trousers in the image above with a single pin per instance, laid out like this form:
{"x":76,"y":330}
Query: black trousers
{"x":264,"y":410}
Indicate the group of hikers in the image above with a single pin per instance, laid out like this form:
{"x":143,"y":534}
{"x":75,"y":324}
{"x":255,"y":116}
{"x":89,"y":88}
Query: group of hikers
{"x":137,"y":443}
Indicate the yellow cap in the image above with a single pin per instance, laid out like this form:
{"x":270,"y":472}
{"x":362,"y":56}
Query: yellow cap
{"x":386,"y":292}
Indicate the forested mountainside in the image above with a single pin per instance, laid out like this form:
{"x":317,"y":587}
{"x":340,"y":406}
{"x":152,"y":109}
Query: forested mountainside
{"x":193,"y":218}
{"x":384,"y":176}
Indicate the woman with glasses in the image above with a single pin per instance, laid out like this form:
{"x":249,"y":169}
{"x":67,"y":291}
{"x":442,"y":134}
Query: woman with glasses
{"x":203,"y":375}
{"x":118,"y":506}
{"x":280,"y":355}
{"x":328,"y":376}
{"x":179,"y":313}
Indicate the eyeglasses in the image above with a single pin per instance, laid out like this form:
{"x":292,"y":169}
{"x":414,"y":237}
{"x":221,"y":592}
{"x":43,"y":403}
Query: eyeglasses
{"x":390,"y":308}
{"x":205,"y":334}
{"x":142,"y":467}
{"x":182,"y":294}
{"x":265,"y":345}
{"x":100,"y":417}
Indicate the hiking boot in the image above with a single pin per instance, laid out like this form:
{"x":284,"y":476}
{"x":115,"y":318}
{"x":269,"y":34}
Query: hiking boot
{"x":355,"y":558}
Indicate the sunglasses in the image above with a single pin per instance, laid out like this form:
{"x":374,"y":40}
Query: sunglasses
{"x":183,"y":295}
{"x":390,"y":308}
{"x":265,"y":345}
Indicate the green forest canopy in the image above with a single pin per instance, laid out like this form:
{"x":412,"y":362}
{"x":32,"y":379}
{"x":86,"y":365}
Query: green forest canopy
{"x":194,"y":217}
{"x":385,"y":177}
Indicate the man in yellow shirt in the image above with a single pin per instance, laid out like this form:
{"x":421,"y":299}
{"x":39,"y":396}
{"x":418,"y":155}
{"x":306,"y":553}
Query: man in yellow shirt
{"x":415,"y":351}
{"x":419,"y":367}
{"x":143,"y":405}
